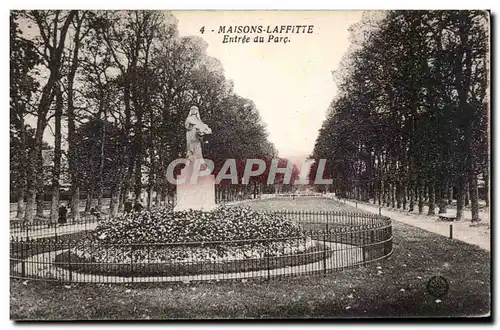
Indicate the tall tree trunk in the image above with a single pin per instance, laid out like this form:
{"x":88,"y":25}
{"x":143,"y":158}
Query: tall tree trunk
{"x":150,"y":197}
{"x":40,"y":197}
{"x":462,"y":72}
{"x":486,"y":179}
{"x":398,"y":195}
{"x":393,"y":195}
{"x":432,"y":199}
{"x":450,"y":195}
{"x":388,"y":194}
{"x":152,"y":171}
{"x":54,"y":209}
{"x":88,"y":202}
{"x":157,"y":202}
{"x":40,"y":186}
{"x":404,"y":194}
{"x":75,"y":187}
{"x":412,"y":193}
{"x":114,"y":203}
{"x":40,"y":205}
{"x":474,"y":195}
{"x":130,"y":173}
{"x":382,"y":193}
{"x":445,"y":191}
{"x":75,"y":202}
{"x":75,"y":184}
{"x":121,"y":198}
{"x":101,"y":164}
{"x":54,"y":206}
{"x":467,"y":195}
{"x":100,"y":199}
{"x":420,"y":198}
{"x":20,"y":205}
{"x":138,"y":179}
{"x":162,"y":195}
{"x":167,"y":195}
{"x":46,"y":100}
{"x":442,"y":198}
{"x":22,"y":170}
{"x":380,"y":184}
{"x":460,"y":197}
{"x":30,"y":205}
{"x":379,"y":193}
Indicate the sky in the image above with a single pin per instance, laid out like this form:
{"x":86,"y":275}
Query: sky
{"x":291,"y":84}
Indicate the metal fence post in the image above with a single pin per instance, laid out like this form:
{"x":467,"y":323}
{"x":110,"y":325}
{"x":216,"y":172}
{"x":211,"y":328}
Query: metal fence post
{"x":132,"y":263}
{"x":451,"y":231}
{"x":327,"y":220}
{"x":70,"y":270}
{"x":268,"y":265}
{"x":324,"y":253}
{"x":23,"y":263}
{"x":363,"y":248}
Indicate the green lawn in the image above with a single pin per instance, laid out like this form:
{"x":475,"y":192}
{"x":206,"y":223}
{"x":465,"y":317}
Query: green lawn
{"x":393,"y":287}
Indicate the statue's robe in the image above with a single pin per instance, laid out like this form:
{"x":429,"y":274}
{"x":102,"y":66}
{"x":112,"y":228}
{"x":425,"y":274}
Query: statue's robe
{"x":195,"y":129}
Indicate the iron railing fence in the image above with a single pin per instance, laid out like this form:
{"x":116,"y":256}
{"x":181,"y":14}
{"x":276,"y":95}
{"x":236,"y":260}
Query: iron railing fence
{"x":329,"y":241}
{"x":46,"y":228}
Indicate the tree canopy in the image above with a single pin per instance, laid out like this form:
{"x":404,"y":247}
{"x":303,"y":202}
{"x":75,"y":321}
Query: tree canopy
{"x":115,"y":87}
{"x":410,"y":121}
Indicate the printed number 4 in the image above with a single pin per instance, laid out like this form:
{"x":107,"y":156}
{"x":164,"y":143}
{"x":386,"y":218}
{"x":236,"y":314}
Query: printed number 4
{"x":202,"y":29}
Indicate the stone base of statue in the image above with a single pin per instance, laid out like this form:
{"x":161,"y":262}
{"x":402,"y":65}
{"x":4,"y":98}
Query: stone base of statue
{"x":195,"y":196}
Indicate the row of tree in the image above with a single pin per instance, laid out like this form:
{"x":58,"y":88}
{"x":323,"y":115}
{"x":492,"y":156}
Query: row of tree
{"x":409,"y":125}
{"x":114,"y":89}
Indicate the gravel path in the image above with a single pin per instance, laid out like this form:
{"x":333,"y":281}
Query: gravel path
{"x":479,"y":236}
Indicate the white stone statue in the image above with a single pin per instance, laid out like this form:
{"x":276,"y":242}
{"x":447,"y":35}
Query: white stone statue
{"x":200,"y":195}
{"x":195,"y":130}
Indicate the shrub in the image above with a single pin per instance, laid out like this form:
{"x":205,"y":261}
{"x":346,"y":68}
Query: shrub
{"x":163,"y":225}
{"x":164,"y":236}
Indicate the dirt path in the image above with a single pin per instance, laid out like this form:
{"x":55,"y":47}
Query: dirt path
{"x":479,"y":236}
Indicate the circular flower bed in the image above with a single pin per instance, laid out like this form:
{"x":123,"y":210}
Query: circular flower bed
{"x":227,"y":235}
{"x":163,"y":225}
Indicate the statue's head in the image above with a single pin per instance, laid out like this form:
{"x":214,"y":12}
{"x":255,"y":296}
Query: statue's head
{"x":194,"y":111}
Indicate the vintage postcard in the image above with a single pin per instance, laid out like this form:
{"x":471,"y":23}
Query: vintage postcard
{"x":249,"y":164}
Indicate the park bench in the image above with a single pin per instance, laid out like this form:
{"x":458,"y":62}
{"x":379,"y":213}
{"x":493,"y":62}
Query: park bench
{"x":447,"y":217}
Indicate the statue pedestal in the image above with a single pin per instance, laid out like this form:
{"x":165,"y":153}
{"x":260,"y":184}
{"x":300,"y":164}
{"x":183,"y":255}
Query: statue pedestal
{"x":198,"y":196}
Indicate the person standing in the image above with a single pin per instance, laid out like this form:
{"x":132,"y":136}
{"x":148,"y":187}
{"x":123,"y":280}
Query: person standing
{"x":63,"y":212}
{"x":95,"y":213}
{"x":128,"y":207}
{"x":138,"y":207}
